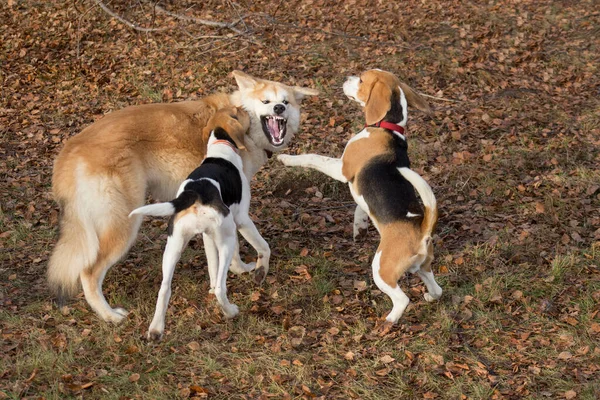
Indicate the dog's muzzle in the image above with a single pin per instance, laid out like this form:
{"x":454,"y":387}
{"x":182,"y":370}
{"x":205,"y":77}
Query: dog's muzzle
{"x":275,"y":128}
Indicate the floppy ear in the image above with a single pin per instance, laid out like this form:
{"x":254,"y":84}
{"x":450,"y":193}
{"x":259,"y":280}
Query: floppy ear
{"x":378,"y":103}
{"x":237,"y":132}
{"x":238,"y":126}
{"x":414,"y":99}
{"x":243,"y":80}
{"x":302,"y":92}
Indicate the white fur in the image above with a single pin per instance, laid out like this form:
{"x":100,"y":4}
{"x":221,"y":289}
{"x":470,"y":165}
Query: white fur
{"x":404,"y":104}
{"x":421,"y":186}
{"x":220,"y":241}
{"x":351,"y":89}
{"x":399,"y":299}
{"x":329,"y":166}
{"x":361,"y":222}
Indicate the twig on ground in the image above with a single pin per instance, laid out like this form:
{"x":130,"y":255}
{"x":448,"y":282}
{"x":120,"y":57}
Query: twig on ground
{"x":126,"y":22}
{"x":440,"y":98}
{"x":206,"y":22}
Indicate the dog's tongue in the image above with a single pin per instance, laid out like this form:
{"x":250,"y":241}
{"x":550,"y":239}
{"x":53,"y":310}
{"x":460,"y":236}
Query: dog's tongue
{"x":273,"y":126}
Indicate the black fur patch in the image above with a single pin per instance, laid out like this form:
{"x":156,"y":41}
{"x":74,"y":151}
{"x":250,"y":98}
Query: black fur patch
{"x":205,"y":192}
{"x":387,"y":193}
{"x":394,"y":115}
{"x":225,"y":173}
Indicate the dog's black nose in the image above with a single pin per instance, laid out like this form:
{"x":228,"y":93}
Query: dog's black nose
{"x":279,"y":108}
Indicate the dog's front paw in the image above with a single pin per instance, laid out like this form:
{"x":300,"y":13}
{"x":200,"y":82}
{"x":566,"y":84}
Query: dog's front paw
{"x":230,"y":310}
{"x":154,"y":335}
{"x":286,"y":159}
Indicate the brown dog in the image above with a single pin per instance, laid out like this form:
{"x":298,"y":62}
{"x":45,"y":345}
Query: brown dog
{"x":375,"y":164}
{"x":104,"y":173}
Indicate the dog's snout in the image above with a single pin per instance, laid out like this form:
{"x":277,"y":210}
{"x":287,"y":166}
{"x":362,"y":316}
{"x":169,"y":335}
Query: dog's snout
{"x":279,"y":109}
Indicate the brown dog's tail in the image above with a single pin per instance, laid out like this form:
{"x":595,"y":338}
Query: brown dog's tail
{"x":77,"y":249}
{"x":428,"y":198}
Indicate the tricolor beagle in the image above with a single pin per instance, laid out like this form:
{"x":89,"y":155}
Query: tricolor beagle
{"x":213,"y":201}
{"x":376,"y":166}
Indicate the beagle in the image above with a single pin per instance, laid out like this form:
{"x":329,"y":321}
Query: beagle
{"x":376,"y":167}
{"x":213,"y":201}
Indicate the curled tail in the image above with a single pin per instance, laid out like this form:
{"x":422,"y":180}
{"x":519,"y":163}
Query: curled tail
{"x":183,"y":201}
{"x":428,"y":198}
{"x":77,"y":249}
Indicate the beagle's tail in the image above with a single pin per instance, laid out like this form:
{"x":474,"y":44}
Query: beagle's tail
{"x":428,"y":198}
{"x":183,"y":201}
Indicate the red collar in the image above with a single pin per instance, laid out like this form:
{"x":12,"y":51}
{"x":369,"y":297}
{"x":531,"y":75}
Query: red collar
{"x":388,"y":125}
{"x":227,"y":143}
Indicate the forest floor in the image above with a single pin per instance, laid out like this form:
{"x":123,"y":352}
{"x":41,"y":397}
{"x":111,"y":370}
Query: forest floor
{"x":511,"y":152}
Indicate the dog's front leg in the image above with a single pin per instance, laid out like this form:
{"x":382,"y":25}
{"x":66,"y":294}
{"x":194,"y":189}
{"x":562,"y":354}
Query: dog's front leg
{"x":329,"y":166}
{"x":361,"y":223}
{"x":175,"y":245}
{"x":251,"y":234}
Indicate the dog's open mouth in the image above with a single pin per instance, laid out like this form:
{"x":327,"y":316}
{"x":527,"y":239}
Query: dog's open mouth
{"x":275,"y":128}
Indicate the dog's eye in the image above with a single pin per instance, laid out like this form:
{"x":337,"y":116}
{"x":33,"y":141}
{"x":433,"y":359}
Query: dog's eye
{"x":359,"y":80}
{"x":266,"y":101}
{"x":285,"y":102}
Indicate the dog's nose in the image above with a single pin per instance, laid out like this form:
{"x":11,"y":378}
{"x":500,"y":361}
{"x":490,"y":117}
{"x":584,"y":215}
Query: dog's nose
{"x":279,"y":108}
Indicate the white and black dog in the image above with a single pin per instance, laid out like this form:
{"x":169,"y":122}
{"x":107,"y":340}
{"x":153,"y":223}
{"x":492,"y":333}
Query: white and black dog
{"x":213,"y":201}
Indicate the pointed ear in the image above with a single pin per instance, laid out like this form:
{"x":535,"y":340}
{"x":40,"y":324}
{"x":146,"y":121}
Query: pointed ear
{"x":301,"y":92}
{"x":243,"y":80}
{"x":414,"y":99}
{"x":379,"y":102}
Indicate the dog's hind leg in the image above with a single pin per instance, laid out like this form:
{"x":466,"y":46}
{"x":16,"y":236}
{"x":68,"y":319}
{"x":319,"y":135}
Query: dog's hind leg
{"x":251,"y":234}
{"x":239,"y":267}
{"x":113,"y":245}
{"x":225,"y":242}
{"x":212,"y":260}
{"x":175,"y":245}
{"x":434,"y":291}
{"x":331,"y":167}
{"x":386,"y":280}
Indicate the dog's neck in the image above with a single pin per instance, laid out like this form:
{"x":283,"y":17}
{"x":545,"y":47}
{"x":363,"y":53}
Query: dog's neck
{"x":396,"y":129}
{"x":220,"y":148}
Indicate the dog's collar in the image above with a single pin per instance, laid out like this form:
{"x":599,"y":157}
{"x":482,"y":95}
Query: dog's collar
{"x":228,"y":143}
{"x":388,"y":125}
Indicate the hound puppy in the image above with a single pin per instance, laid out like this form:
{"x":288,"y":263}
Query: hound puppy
{"x":376,"y":166}
{"x":213,"y":201}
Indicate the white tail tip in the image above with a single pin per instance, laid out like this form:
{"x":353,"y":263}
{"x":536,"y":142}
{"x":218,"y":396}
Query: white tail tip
{"x":158,"y":210}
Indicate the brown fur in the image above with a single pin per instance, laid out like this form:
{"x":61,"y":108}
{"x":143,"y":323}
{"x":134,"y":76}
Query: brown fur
{"x":357,"y":154}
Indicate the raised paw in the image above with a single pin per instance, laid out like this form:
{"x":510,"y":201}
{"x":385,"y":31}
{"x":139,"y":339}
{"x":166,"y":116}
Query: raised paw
{"x":286,"y":159}
{"x":260,"y":274}
{"x":241,"y":267}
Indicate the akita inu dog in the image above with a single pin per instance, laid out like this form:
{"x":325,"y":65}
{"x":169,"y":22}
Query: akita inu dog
{"x":104,"y":173}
